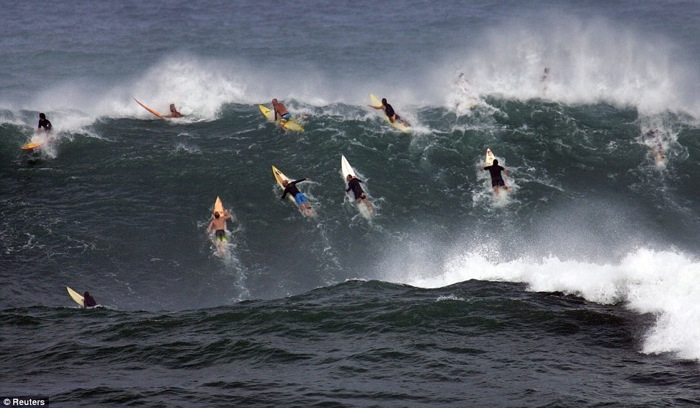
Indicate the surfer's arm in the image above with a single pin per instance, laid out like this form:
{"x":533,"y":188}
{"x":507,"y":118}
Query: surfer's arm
{"x":284,"y":194}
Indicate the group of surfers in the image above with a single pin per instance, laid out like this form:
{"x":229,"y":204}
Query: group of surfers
{"x":218,"y":221}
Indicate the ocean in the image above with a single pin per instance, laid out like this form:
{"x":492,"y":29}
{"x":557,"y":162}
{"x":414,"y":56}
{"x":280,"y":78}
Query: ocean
{"x":578,"y":287}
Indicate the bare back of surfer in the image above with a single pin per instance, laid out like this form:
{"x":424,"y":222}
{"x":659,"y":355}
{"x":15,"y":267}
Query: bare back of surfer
{"x":173,"y":112}
{"x":218,"y":224}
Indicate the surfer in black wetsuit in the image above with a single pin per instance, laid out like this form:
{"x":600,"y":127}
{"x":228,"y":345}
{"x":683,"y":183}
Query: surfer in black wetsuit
{"x":299,"y":197}
{"x":496,"y":179}
{"x":358,"y":192}
{"x":88,"y":301}
{"x":390,"y":112}
{"x":45,"y":124}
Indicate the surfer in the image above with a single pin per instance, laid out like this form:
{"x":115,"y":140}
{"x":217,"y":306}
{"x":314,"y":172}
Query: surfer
{"x":299,"y":197}
{"x":218,"y":224}
{"x":281,"y":111}
{"x":390,"y":112}
{"x":354,"y":185}
{"x":45,"y":124}
{"x":173,"y":112}
{"x":88,"y":301}
{"x":655,"y":141}
{"x":544,"y":79}
{"x":496,"y":178}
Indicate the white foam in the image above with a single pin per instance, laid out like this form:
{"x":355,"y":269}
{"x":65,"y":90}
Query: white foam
{"x":663,"y":283}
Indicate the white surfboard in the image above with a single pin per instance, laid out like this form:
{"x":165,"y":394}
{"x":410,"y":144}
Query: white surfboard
{"x":489,"y":157}
{"x":345,"y":170}
{"x":345,"y":167}
{"x":77,"y":297}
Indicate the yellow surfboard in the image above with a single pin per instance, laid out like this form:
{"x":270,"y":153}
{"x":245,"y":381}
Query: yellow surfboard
{"x":287,"y":125}
{"x":280,"y":177}
{"x":218,"y":206}
{"x":374,"y":101}
{"x":32,"y":145}
{"x":149,"y":109}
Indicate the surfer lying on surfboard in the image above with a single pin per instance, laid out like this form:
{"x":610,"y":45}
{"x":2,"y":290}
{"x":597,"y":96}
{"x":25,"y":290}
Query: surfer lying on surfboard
{"x":496,"y":179}
{"x":218,"y":224}
{"x":299,"y":197}
{"x":358,"y":192}
{"x":390,"y":113}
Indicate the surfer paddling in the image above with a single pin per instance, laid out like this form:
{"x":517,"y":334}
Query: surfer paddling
{"x":496,"y":179}
{"x":358,"y":192}
{"x":299,"y":197}
{"x":218,"y":225}
{"x":390,"y":112}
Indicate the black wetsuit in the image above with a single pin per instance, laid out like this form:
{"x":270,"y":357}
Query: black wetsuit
{"x":291,"y":188}
{"x":44,"y":123}
{"x":389,"y":110}
{"x":354,"y":185}
{"x":89,"y":301}
{"x":496,"y":179}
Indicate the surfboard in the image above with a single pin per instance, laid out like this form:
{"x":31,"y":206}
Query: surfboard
{"x":218,"y":206}
{"x":149,"y":109}
{"x":489,"y":157}
{"x":33,"y":145}
{"x":77,"y":297}
{"x":345,"y":169}
{"x":374,"y":101}
{"x":280,"y":177}
{"x":287,"y":125}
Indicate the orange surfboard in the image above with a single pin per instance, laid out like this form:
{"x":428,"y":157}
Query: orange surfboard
{"x":149,"y":109}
